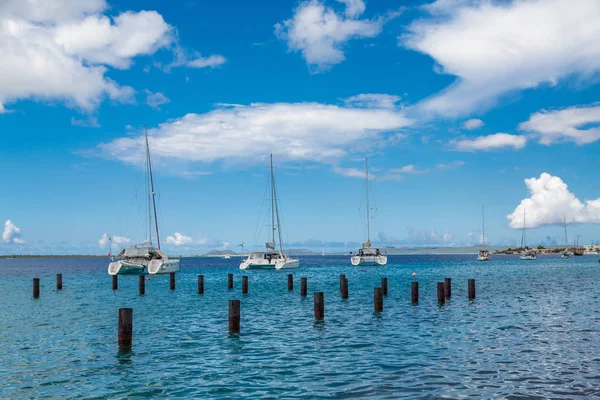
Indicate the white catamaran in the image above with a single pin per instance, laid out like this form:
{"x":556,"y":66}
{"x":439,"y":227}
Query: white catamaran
{"x":484,"y":254}
{"x":526,"y":254}
{"x":144,"y":258}
{"x":566,"y":253}
{"x":271,"y":258}
{"x":368,"y":255}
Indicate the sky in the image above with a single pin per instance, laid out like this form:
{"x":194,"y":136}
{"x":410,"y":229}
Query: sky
{"x":458,"y":105}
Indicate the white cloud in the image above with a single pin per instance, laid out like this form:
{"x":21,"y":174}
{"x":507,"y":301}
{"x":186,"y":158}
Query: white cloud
{"x":89,"y":122}
{"x":452,"y":165}
{"x":117,"y":240}
{"x":12,"y":233}
{"x":179,"y":239}
{"x":51,"y":10}
{"x":155,"y":100}
{"x":212,"y":61}
{"x":377,"y":100}
{"x":313,"y":132}
{"x":352,"y":172}
{"x":490,"y":142}
{"x":472,"y":124}
{"x":549,"y":202}
{"x":319,"y":33}
{"x":495,"y":48}
{"x":565,"y":125}
{"x":406,"y":170}
{"x":182,"y":57}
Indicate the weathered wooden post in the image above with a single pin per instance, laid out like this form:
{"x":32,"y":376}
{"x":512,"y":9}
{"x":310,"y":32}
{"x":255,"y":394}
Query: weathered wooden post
{"x":244,"y":285}
{"x":230,"y":281}
{"x":36,"y":288}
{"x":414,"y":292}
{"x":115,"y":281}
{"x":342,"y":277}
{"x":290,"y":282}
{"x":200,"y":284}
{"x":125,"y":326}
{"x":303,"y":286}
{"x":142,"y":279}
{"x":378,"y":299}
{"x":58,"y":281}
{"x":345,"y":289}
{"x":172,"y":280}
{"x":319,"y":305}
{"x":447,"y":287}
{"x":234,"y":316}
{"x":384,"y":286}
{"x":471,"y":289}
{"x":440,"y":293}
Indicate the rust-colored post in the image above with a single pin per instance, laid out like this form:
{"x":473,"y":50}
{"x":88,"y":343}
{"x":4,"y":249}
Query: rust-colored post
{"x":172,"y":280}
{"x":303,"y":286}
{"x":440,"y":293}
{"x":125,"y":326}
{"x":58,"y":281}
{"x":36,"y":288}
{"x":447,"y":287}
{"x":384,"y":286}
{"x":290,"y":282}
{"x":142,"y":279}
{"x":345,"y":289}
{"x":115,"y":281}
{"x":471,"y":289}
{"x":414,"y":292}
{"x":230,"y":281}
{"x":200,"y":284}
{"x":244,"y":285}
{"x":234,"y":316}
{"x":378,"y":299}
{"x":342,"y":277}
{"x":319,"y":305}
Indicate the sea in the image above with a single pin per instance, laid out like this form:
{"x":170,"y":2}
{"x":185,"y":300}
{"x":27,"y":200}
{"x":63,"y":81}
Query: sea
{"x":533,"y":331}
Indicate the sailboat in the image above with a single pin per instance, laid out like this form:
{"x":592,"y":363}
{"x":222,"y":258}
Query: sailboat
{"x":484,"y":254}
{"x":144,"y":258}
{"x":566,"y":253}
{"x":323,"y":253}
{"x":526,"y":254}
{"x":271,"y":258}
{"x":579,"y":251}
{"x":368,"y":255}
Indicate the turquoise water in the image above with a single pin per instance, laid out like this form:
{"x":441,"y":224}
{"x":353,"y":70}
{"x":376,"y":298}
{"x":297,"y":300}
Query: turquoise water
{"x":533,"y":331}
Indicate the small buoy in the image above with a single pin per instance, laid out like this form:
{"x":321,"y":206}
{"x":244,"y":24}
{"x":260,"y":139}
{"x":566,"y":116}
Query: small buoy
{"x":414,"y":274}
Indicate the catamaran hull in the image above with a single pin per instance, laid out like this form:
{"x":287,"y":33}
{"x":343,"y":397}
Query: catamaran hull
{"x":527,"y":257}
{"x":158,"y":267}
{"x":369,"y":260}
{"x":270,"y":266}
{"x":483,"y":258}
{"x":125,"y":268}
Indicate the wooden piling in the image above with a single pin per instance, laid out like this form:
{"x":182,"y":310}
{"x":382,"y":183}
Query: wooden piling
{"x":125,"y":326}
{"x":303,"y":286}
{"x":172,"y":280}
{"x":447,"y":287}
{"x":234,"y":316}
{"x":200,"y":284}
{"x":36,"y":288}
{"x":290,"y":282}
{"x":230,"y":281}
{"x":342,"y":277}
{"x":345,"y":289}
{"x":319,"y":305}
{"x":142,"y":279}
{"x":471,"y":289}
{"x":115,"y":282}
{"x":440,"y":293}
{"x":414,"y":292}
{"x":384,"y":287}
{"x":58,"y":281}
{"x":244,"y":285}
{"x":378,"y":299}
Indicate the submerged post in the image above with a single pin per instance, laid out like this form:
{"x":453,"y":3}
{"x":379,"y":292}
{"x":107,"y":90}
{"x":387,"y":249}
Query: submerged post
{"x":303,"y":286}
{"x":345,"y":288}
{"x":244,"y":285}
{"x":115,"y":281}
{"x":142,"y":279}
{"x":319,"y":305}
{"x":384,"y":286}
{"x":200,"y":284}
{"x":342,"y":277}
{"x":447,"y":287}
{"x":36,"y":288}
{"x":471,"y":289}
{"x":378,"y":299}
{"x":230,"y":281}
{"x":172,"y":280}
{"x":234,"y":316}
{"x":440,"y":293}
{"x":58,"y":281}
{"x":125,"y":326}
{"x":414,"y":292}
{"x":290,"y":282}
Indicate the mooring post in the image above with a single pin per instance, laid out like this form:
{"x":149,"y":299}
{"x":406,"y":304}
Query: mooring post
{"x":290,"y":282}
{"x":414,"y":292}
{"x":447,"y":287}
{"x":244,"y":285}
{"x":345,"y":288}
{"x":303,"y":286}
{"x":342,"y":277}
{"x":142,"y":279}
{"x":200,"y":284}
{"x":471,"y":289}
{"x":125,"y":326}
{"x":234,"y":316}
{"x":115,"y":282}
{"x":378,"y":299}
{"x":36,"y":288}
{"x":440,"y":293}
{"x":172,"y":280}
{"x":58,"y":281}
{"x":230,"y":281}
{"x":384,"y":286}
{"x":319,"y":305}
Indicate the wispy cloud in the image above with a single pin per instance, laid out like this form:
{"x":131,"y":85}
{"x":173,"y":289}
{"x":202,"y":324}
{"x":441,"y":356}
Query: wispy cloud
{"x":490,"y":142}
{"x":155,"y":100}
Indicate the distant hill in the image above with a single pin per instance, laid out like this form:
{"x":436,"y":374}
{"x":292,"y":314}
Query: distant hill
{"x":220,"y":252}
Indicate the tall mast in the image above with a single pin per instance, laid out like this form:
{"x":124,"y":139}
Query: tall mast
{"x":483,"y":225}
{"x":148,"y":189}
{"x":151,"y":196}
{"x":368,"y":210}
{"x":272,"y":201}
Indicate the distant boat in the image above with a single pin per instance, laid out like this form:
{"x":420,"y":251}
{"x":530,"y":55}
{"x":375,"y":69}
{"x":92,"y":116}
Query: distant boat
{"x":566,"y":253}
{"x":579,"y":251}
{"x":526,"y":254}
{"x":227,"y":256}
{"x":484,"y":254}
{"x":323,"y":253}
{"x":271,"y":258}
{"x":368,"y":255}
{"x":144,"y":258}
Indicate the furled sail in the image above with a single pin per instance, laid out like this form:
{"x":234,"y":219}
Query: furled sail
{"x":367,"y":244}
{"x":270,"y":245}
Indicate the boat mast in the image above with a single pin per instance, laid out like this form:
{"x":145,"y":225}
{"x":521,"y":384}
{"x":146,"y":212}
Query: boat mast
{"x":148,"y":189}
{"x":368,"y":211}
{"x":275,"y":210}
{"x":151,"y":195}
{"x":272,"y":201}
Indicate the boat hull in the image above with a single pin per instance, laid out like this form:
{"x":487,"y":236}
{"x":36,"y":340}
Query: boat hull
{"x":158,"y":267}
{"x":124,"y":268}
{"x":483,"y":258}
{"x":288,"y":264}
{"x":527,"y":257}
{"x":369,"y":260}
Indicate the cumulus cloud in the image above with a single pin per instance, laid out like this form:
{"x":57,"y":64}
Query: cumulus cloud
{"x":472,"y":124}
{"x":319,"y":32}
{"x":550,"y":201}
{"x":568,"y":125}
{"x":179,"y":239}
{"x":12,"y":233}
{"x":155,"y":100}
{"x":313,"y":132}
{"x":490,"y":142}
{"x":495,"y":48}
{"x":117,"y":240}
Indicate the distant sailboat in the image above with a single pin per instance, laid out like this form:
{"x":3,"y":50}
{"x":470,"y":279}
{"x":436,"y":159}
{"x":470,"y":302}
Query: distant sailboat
{"x":484,"y":254}
{"x":526,"y":254}
{"x":579,"y":251}
{"x":271,"y":258}
{"x":566,"y":253}
{"x":144,"y":257}
{"x":323,"y":253}
{"x":368,"y":255}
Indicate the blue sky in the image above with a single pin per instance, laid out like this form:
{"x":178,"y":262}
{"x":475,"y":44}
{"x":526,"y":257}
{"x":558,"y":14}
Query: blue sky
{"x":458,"y":104}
